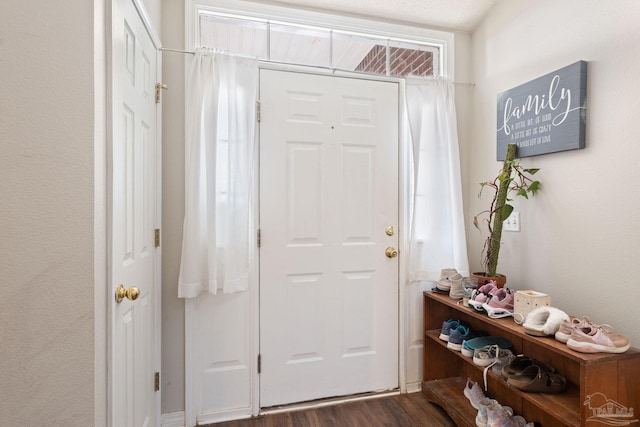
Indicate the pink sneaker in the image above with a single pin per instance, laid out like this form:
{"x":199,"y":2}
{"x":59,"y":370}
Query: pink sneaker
{"x":591,"y":338}
{"x":482,"y":295}
{"x":502,"y":298}
{"x":566,"y":327}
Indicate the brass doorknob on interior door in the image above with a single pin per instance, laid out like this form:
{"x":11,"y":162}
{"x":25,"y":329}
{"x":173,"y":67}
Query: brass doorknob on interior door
{"x":122,"y":293}
{"x":391,"y":252}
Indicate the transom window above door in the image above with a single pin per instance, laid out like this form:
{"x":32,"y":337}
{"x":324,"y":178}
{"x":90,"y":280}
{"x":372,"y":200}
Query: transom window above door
{"x":284,"y":35}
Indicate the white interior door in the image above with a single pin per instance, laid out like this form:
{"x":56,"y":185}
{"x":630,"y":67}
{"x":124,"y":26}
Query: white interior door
{"x":328,"y":195}
{"x":135,"y":215}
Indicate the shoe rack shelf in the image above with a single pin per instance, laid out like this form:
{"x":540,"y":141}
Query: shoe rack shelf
{"x":593,"y":380}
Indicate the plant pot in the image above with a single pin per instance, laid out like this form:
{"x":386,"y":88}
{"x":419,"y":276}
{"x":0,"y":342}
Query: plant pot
{"x":500,"y":279}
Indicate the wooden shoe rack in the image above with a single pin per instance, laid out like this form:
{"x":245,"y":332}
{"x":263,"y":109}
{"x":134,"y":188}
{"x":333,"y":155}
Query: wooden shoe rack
{"x":601,"y":388}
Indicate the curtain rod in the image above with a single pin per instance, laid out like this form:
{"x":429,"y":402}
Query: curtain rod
{"x":189,"y":52}
{"x":177,"y":50}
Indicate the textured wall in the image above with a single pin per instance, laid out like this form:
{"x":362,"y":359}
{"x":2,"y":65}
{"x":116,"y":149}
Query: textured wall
{"x":579,"y":238}
{"x":46,"y":213}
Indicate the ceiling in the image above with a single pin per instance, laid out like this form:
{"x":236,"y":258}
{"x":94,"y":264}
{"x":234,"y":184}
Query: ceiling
{"x":462,"y":15}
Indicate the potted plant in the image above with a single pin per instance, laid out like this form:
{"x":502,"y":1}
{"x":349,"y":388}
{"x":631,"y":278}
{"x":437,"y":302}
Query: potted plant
{"x":513,"y":178}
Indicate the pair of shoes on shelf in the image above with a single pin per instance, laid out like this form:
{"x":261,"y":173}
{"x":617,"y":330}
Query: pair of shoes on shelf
{"x":450,"y":283}
{"x":520,"y":363}
{"x":490,"y":412}
{"x":448,"y":326}
{"x":497,"y":302}
{"x":492,"y":355}
{"x":504,"y":417}
{"x":504,"y":358}
{"x":459,"y":335}
{"x":500,"y":304}
{"x":533,"y":376}
{"x":470,"y":346}
{"x":493,"y":414}
{"x":584,"y":336}
{"x":482,"y":294}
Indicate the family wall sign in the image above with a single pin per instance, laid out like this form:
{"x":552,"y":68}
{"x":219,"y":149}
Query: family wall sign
{"x":545,"y":115}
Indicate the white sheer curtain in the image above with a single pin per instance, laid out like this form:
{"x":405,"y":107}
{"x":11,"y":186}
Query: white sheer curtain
{"x":219,"y":173}
{"x":438,"y":238}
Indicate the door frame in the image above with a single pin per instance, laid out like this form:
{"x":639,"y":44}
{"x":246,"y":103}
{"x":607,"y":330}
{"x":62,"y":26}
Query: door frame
{"x":404,"y":203}
{"x":109,"y":39}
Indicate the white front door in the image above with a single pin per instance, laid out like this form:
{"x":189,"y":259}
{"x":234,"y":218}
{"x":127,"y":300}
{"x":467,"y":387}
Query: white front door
{"x":135,"y":213}
{"x":328,"y":196}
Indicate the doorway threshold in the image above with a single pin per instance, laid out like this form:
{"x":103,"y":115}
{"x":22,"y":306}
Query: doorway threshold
{"x":327,"y":402}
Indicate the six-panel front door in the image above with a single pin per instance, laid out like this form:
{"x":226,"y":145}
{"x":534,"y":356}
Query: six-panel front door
{"x":328,"y":213}
{"x":134,"y":216}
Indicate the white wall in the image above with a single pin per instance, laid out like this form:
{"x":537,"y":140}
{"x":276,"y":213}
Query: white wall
{"x":155,"y":12}
{"x":173,"y":346}
{"x":47,"y":213}
{"x":580,"y":239}
{"x":53,"y":212}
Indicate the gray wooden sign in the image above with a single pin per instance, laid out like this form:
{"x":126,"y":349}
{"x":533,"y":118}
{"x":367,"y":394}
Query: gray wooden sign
{"x":545,"y":115}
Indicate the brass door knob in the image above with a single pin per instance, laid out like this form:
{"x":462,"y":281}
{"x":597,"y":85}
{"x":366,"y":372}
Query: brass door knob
{"x":122,"y":293}
{"x":391,"y":252}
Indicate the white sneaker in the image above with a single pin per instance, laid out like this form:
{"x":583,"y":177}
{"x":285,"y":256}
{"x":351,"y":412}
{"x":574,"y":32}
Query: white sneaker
{"x":474,"y":393}
{"x":444,"y":284}
{"x":456,"y":291}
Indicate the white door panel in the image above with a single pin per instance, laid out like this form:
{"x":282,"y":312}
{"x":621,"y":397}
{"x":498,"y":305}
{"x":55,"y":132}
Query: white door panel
{"x":328,"y":191}
{"x":134,"y":206}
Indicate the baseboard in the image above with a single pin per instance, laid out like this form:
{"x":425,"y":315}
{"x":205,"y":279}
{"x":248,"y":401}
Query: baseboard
{"x":414,"y":387}
{"x":173,"y":419}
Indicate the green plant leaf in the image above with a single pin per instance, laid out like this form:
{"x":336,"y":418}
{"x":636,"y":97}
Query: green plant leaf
{"x":482,"y":185}
{"x":522,"y":192}
{"x":534,"y":186}
{"x":475,"y":222}
{"x":506,"y":211}
{"x":532,"y":171}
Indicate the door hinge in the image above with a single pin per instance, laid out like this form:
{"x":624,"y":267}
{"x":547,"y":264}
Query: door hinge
{"x":157,"y":237}
{"x":259,"y":237}
{"x":157,"y":382}
{"x":259,"y":363}
{"x":258,"y":110}
{"x":159,"y":87}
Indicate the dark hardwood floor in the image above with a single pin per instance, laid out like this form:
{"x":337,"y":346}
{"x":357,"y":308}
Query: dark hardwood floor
{"x":405,"y":410}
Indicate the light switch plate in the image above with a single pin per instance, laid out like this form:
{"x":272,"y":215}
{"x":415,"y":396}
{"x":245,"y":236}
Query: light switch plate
{"x":512,"y":223}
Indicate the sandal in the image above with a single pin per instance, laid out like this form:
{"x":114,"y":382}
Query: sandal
{"x":520,"y":363}
{"x":535,"y":380}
